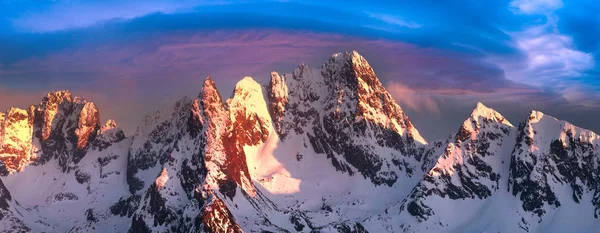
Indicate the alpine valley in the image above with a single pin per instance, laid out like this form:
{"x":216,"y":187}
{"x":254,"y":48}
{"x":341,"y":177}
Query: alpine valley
{"x":317,"y":150}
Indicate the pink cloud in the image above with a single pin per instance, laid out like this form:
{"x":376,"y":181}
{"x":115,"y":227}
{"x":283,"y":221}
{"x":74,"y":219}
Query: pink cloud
{"x":418,"y":101}
{"x":128,"y":80}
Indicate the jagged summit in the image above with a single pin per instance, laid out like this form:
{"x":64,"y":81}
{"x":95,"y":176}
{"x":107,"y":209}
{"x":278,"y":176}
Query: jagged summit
{"x":540,"y":123}
{"x":482,"y":117}
{"x":109,"y":124}
{"x":209,"y":97}
{"x":249,"y":112}
{"x":482,"y":114}
{"x":355,"y":89}
{"x":207,"y":85}
{"x":352,"y":57}
{"x":488,"y":114}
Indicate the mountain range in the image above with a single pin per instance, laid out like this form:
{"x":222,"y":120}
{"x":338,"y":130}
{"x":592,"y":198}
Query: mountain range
{"x":315,"y":150}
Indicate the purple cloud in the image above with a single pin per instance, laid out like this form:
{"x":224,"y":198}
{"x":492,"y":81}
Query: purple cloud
{"x":129,"y":80}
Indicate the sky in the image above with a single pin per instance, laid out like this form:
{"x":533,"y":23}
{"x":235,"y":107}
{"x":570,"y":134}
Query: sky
{"x":437,"y":58}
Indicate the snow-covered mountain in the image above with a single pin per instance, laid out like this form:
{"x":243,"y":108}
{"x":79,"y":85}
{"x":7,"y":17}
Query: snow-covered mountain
{"x":315,"y":150}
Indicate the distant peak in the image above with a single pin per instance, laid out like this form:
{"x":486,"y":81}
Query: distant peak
{"x":209,"y":90}
{"x":208,"y":83}
{"x":350,"y":66}
{"x":480,"y":105}
{"x":482,"y":111}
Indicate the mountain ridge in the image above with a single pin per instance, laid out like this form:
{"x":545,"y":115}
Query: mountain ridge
{"x":316,"y":150}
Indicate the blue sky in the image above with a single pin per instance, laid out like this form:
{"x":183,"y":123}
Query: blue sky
{"x":436,"y":57}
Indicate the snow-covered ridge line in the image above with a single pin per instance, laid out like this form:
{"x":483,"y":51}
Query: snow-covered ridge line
{"x":314,"y":150}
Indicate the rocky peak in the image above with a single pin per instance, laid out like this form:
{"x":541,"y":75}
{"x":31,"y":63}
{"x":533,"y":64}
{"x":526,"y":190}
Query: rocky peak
{"x":65,"y":126}
{"x":62,"y":126}
{"x":481,"y":118}
{"x":48,"y":109}
{"x":248,"y":112}
{"x":109,"y":124}
{"x":88,"y":122}
{"x":355,"y":89}
{"x":487,"y":114}
{"x":341,"y":63}
{"x":211,"y":110}
{"x":210,"y":97}
{"x":214,"y":120}
{"x":535,"y":116}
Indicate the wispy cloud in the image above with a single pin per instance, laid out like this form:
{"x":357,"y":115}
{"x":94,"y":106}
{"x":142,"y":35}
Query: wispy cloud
{"x":551,"y":54}
{"x":61,"y":15}
{"x":536,"y":6}
{"x":408,"y":97}
{"x":553,"y":60}
{"x":394,"y":20}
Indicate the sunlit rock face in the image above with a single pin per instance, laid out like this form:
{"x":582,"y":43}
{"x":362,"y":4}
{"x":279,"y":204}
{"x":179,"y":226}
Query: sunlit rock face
{"x":314,"y":150}
{"x":15,"y":139}
{"x":64,"y":126}
{"x":61,"y":127}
